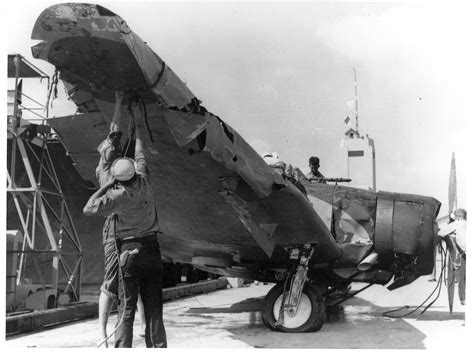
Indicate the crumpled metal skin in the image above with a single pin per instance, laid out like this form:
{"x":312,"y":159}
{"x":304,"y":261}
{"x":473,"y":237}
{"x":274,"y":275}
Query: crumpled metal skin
{"x":96,"y":53}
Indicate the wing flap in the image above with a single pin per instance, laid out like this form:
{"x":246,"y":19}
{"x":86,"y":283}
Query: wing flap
{"x":81,"y":134}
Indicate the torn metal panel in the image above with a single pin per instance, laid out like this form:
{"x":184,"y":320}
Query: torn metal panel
{"x":84,"y":44}
{"x":262,"y":238}
{"x":81,"y":134}
{"x":350,"y":215}
{"x":74,"y":20}
{"x":352,"y":210}
{"x":352,"y":228}
{"x":84,"y":100}
{"x":217,"y":144}
{"x":299,"y":223}
{"x":354,"y":215}
{"x":323,"y":208}
{"x":185,"y":127}
{"x":227,"y":147}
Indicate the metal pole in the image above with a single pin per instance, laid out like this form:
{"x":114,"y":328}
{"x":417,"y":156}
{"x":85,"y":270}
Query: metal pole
{"x":22,"y":261}
{"x":43,"y":213}
{"x":356,"y":101}
{"x":47,"y":106}
{"x":16,"y":60}
{"x":452,"y":192}
{"x":24,"y":223}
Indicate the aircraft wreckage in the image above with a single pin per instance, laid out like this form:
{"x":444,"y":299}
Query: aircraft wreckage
{"x":221,"y":207}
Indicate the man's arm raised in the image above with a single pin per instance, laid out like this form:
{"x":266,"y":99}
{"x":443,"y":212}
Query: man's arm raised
{"x":117,"y":117}
{"x":140,"y":162}
{"x":92,"y":207}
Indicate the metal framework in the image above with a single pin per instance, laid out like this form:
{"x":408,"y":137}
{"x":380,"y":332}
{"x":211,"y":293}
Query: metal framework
{"x":39,"y":202}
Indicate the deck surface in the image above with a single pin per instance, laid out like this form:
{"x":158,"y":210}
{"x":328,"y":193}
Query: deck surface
{"x":231,"y":318}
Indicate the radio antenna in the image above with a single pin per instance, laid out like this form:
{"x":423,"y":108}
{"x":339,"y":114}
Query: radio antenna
{"x":356,"y":100}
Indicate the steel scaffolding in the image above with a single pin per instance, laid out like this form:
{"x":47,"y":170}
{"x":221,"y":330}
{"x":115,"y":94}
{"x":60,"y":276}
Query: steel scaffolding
{"x":34,"y":188}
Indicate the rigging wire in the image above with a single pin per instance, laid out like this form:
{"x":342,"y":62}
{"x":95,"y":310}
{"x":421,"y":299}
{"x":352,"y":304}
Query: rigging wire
{"x":137,"y":99}
{"x":53,"y":88}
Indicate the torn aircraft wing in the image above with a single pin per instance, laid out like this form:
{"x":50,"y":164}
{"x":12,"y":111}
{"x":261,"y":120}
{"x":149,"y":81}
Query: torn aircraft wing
{"x":216,"y":197}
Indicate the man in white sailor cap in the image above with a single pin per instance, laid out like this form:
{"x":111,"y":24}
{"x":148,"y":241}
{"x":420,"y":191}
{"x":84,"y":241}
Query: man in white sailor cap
{"x":129,"y":197}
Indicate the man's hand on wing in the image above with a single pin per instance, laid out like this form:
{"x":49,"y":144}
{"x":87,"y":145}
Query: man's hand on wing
{"x":111,"y":182}
{"x":119,"y":96}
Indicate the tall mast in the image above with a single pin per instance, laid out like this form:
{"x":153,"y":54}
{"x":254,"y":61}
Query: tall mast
{"x":356,"y":100}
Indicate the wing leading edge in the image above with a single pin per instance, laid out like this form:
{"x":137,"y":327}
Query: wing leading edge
{"x":84,"y":42}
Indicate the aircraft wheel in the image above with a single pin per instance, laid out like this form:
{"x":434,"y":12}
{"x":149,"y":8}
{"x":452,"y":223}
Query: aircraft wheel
{"x":308,"y":318}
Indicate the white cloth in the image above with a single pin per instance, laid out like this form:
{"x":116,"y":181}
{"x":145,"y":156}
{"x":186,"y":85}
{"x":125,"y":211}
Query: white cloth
{"x":458,"y":228}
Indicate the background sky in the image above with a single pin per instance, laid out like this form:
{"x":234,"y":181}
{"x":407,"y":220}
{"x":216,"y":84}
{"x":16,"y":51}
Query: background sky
{"x":281,"y":74}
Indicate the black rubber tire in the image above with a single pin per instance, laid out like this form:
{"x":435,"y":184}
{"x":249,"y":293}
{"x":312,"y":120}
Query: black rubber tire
{"x":315,"y":320}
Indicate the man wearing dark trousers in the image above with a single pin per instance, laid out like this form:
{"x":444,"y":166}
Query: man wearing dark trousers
{"x":141,"y":270}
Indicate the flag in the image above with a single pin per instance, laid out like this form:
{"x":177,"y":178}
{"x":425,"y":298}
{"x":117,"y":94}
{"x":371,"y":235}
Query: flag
{"x":351,"y":111}
{"x":350,"y":105}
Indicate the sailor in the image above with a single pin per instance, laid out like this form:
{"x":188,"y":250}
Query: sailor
{"x":128,"y":196}
{"x":274,"y":162}
{"x":286,"y":170}
{"x":456,"y":231}
{"x":279,"y":166}
{"x":315,"y":175}
{"x":110,"y":150}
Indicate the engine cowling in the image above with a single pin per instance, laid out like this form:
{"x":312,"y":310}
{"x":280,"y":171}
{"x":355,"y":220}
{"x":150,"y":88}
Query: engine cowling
{"x":405,"y":235}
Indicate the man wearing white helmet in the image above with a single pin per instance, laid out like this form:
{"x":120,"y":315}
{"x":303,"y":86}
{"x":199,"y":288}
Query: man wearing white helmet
{"x":273,"y":160}
{"x":109,"y":150}
{"x":286,"y":170}
{"x":129,"y":197}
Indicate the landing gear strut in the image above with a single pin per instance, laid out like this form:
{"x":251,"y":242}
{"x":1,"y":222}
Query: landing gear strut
{"x":299,"y":306}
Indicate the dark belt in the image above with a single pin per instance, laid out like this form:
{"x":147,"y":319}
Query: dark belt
{"x":139,"y":239}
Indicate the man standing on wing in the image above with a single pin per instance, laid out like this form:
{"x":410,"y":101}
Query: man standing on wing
{"x":129,"y":197}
